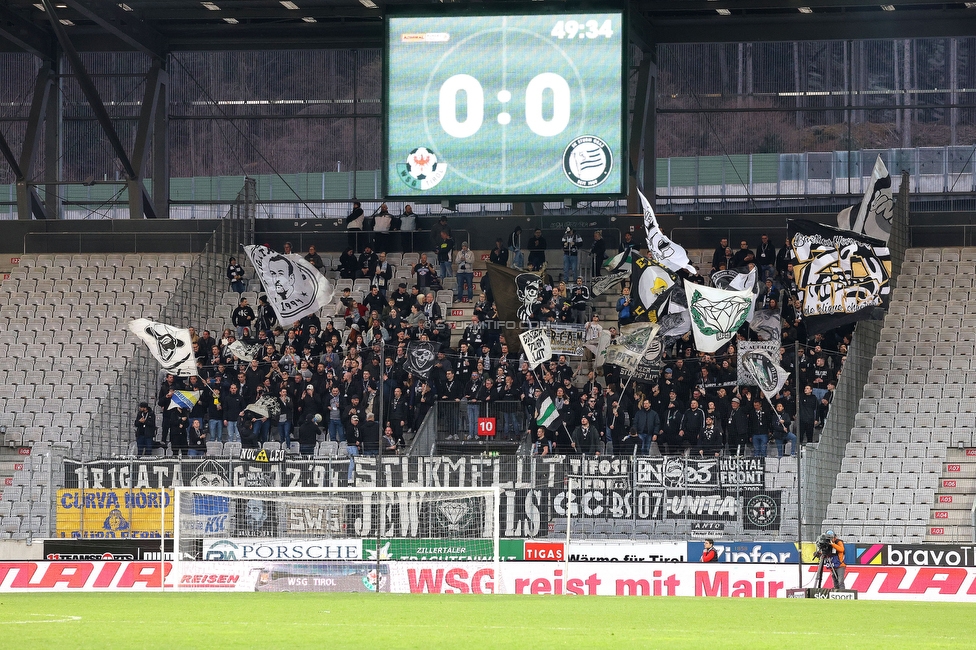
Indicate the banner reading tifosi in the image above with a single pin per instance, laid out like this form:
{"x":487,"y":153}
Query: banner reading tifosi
{"x":114,"y":513}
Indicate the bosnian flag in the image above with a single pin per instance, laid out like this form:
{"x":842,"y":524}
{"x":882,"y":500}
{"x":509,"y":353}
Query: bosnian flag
{"x":184,"y":399}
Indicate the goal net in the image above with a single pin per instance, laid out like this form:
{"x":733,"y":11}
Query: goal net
{"x":334,"y":539}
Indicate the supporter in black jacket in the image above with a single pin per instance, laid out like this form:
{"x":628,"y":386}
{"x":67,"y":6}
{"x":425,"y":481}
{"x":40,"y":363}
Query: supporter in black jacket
{"x":738,"y":426}
{"x":308,"y":433}
{"x":145,"y":429}
{"x":692,"y":424}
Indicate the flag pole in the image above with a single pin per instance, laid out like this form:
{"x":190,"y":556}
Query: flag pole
{"x":799,"y":465}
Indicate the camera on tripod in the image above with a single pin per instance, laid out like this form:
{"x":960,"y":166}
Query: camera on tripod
{"x":824,"y":548}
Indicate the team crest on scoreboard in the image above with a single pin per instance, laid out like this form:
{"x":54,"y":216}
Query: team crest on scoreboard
{"x":587,"y":161}
{"x":422,"y":170}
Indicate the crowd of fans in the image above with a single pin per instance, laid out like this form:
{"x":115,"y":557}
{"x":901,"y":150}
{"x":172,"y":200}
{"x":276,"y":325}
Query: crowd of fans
{"x":318,"y":381}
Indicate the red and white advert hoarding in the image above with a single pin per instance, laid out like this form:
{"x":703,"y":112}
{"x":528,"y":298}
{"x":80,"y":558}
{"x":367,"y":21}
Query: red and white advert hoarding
{"x":551,"y":578}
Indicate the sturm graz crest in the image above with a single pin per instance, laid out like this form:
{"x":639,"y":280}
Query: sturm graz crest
{"x":761,"y":510}
{"x":168,"y":346}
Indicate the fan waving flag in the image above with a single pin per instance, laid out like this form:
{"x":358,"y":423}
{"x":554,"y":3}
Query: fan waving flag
{"x":546,"y":413}
{"x":766,"y":371}
{"x":243,"y":351}
{"x":421,"y":357}
{"x":842,"y":277}
{"x":516,"y":293}
{"x":650,"y":282}
{"x":171,"y":346}
{"x":184,"y":399}
{"x":661,"y":249}
{"x":872,"y":216}
{"x":716,"y":314}
{"x":295,"y":288}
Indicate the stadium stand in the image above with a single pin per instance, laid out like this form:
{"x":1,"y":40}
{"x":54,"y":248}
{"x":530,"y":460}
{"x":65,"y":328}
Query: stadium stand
{"x":915,"y":420}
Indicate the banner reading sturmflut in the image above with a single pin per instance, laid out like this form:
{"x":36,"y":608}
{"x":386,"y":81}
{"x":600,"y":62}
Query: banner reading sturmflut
{"x":842,"y":277}
{"x":171,"y":346}
{"x":295,"y":288}
{"x":536,"y":347}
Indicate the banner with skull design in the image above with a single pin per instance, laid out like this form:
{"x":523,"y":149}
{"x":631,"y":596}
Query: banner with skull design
{"x":516,"y":293}
{"x":421,"y":357}
{"x":171,"y":346}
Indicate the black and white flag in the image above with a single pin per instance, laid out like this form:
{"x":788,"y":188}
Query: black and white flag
{"x":659,"y":247}
{"x":604,"y":283}
{"x":872,"y":216}
{"x":767,"y":324}
{"x":765,"y":370}
{"x":243,"y":351}
{"x":171,"y":346}
{"x":421,"y":357}
{"x":842,"y":277}
{"x":295,"y":288}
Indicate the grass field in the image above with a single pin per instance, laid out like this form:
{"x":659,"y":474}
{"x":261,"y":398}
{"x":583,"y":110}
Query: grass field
{"x":197,"y":620}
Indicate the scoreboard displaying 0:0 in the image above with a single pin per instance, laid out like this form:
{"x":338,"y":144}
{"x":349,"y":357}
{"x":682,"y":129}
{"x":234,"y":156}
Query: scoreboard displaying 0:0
{"x":505,"y":106}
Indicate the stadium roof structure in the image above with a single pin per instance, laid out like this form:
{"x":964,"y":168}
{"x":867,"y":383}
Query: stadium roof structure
{"x":160,"y":26}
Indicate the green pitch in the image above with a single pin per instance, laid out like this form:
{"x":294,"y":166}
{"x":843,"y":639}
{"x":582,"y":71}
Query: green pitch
{"x":213,"y":621}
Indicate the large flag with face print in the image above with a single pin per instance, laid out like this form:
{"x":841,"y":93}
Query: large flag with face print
{"x":295,"y":288}
{"x":716,"y":314}
{"x":171,"y":346}
{"x":515,"y":293}
{"x":842,"y":277}
{"x":661,"y":249}
{"x":872,"y":216}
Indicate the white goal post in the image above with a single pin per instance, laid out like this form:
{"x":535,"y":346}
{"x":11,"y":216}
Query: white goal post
{"x":284,"y":526}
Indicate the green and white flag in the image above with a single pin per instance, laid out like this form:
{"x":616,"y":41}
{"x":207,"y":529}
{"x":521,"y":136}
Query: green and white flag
{"x":546,"y":414}
{"x":716,"y":314}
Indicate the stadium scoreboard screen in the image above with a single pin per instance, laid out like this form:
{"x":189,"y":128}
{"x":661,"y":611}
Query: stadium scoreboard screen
{"x":496,"y":106}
